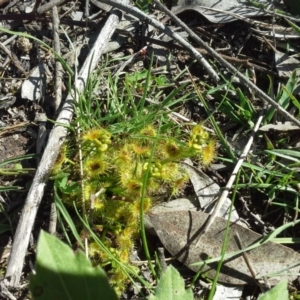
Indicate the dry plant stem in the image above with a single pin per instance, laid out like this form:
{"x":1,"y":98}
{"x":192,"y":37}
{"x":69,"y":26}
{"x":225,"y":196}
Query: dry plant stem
{"x":41,"y":120}
{"x":245,"y":256}
{"x":143,"y":17}
{"x":86,"y":8}
{"x":4,"y":292}
{"x":57,"y":101}
{"x":13,"y":127}
{"x":229,"y":66}
{"x":10,"y":39}
{"x":129,"y":61}
{"x":53,"y":219}
{"x":162,"y":258}
{"x":57,"y":137}
{"x":231,"y":180}
{"x":14,"y":59}
{"x":248,"y":262}
{"x":44,"y":8}
{"x":103,"y":6}
{"x":10,"y":4}
{"x":58,"y":66}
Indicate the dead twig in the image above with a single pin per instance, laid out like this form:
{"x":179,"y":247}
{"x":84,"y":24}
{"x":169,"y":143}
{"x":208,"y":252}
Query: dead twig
{"x":44,"y":8}
{"x":52,"y":219}
{"x":249,"y":263}
{"x":14,"y":59}
{"x":86,"y":9}
{"x":58,"y":66}
{"x":232,"y":178}
{"x":8,"y":129}
{"x":10,"y":4}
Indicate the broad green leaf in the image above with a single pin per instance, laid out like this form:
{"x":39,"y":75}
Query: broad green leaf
{"x":279,"y":292}
{"x":171,"y":287}
{"x":62,"y":274}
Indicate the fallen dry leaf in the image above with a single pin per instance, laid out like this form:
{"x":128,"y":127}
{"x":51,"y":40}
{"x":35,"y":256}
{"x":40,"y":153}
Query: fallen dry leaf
{"x":286,"y":64}
{"x":234,"y":6}
{"x":178,"y":229}
{"x":33,"y":88}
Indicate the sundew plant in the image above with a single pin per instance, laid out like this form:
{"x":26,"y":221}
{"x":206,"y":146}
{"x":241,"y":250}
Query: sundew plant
{"x":115,"y":172}
{"x":119,"y":164}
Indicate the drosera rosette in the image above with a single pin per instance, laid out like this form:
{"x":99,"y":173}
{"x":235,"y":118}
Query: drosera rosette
{"x":134,"y":187}
{"x":94,"y":191}
{"x":202,"y":145}
{"x":209,"y":152}
{"x":123,"y":156}
{"x":94,"y":166}
{"x":166,"y":178}
{"x":141,"y":149}
{"x":179,"y":184}
{"x":62,"y":160}
{"x":149,"y":131}
{"x":99,"y":136}
{"x":172,"y":150}
{"x":114,"y":174}
{"x":198,"y":138}
{"x":130,"y":177}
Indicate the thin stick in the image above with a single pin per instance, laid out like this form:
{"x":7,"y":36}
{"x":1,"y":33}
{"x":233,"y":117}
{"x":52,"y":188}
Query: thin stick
{"x":13,"y":57}
{"x":232,"y":178}
{"x":57,"y":137}
{"x":86,"y":9}
{"x":245,"y":256}
{"x":52,"y":219}
{"x":44,"y":8}
{"x":248,"y":262}
{"x":57,"y":101}
{"x":58,"y":66}
{"x":142,"y":16}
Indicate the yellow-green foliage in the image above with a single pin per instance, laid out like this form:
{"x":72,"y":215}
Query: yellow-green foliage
{"x":295,"y":296}
{"x":115,"y":170}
